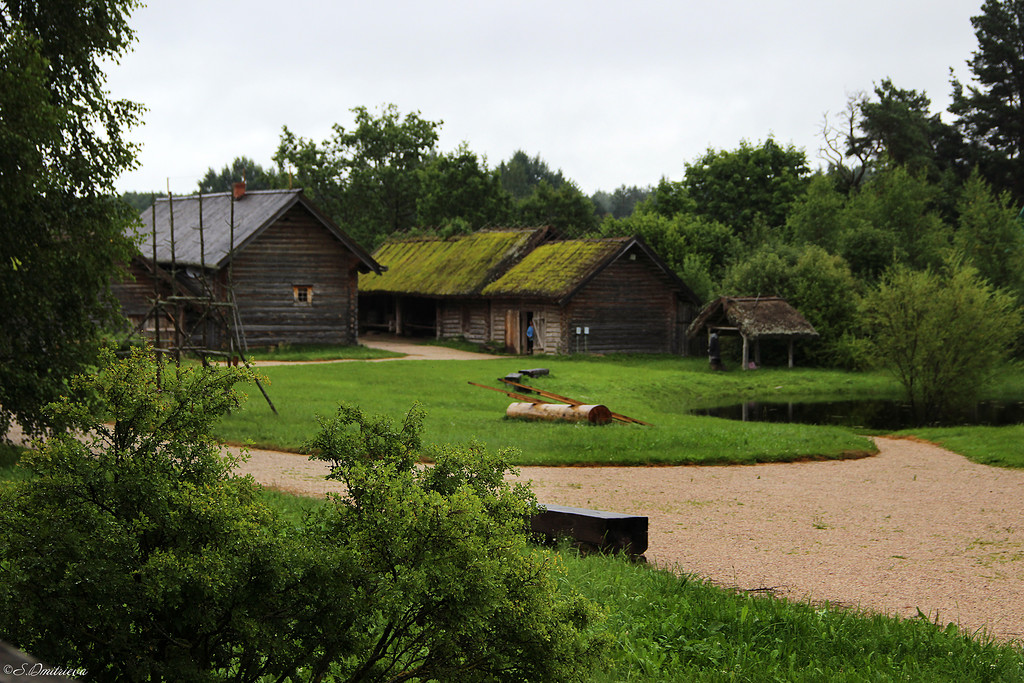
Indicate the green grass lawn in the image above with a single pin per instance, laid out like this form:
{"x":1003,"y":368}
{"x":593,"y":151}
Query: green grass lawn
{"x":300,"y":352}
{"x":658,"y":390}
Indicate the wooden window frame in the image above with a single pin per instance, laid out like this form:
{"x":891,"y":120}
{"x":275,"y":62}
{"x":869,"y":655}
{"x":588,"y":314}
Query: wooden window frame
{"x":302,"y":295}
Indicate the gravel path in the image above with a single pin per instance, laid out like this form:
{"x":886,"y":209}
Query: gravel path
{"x":913,"y":528}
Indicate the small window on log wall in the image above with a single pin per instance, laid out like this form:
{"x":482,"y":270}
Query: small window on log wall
{"x":303,"y":294}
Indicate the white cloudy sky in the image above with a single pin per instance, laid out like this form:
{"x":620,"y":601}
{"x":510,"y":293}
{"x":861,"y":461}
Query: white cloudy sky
{"x":611,"y":93}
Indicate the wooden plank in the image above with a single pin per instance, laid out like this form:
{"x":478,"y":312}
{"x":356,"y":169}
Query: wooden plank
{"x":510,"y":394}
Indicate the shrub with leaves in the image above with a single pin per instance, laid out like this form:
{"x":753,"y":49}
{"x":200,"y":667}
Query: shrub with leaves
{"x":448,"y":588}
{"x":136,"y":553}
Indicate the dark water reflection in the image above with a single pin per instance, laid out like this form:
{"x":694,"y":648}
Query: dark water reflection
{"x":866,"y":414}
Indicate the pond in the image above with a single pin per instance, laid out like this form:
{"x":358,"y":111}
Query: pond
{"x":887,"y":415}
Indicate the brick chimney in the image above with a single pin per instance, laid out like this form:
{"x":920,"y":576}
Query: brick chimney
{"x":239,"y":189}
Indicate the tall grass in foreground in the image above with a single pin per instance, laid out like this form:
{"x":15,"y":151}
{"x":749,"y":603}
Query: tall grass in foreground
{"x":674,"y":628}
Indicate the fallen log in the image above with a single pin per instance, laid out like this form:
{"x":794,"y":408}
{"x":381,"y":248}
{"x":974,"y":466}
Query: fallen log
{"x":594,"y":414}
{"x":566,"y":399}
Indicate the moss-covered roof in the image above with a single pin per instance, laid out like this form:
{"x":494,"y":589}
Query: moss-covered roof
{"x":555,"y":269}
{"x":457,"y":266}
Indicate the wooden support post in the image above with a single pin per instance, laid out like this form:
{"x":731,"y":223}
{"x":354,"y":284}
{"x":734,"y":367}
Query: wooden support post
{"x":757,"y":352}
{"x":746,"y":351}
{"x":790,"y":353}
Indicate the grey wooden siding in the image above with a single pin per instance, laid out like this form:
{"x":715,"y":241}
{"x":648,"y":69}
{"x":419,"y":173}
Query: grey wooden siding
{"x":630,"y":306}
{"x":296,"y":250}
{"x":465,"y":318}
{"x":135,"y":295}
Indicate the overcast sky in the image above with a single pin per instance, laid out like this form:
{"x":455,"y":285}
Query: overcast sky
{"x":611,"y":93}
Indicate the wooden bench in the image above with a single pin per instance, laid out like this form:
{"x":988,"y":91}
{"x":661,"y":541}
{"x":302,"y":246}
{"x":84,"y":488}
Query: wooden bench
{"x":593,"y":529}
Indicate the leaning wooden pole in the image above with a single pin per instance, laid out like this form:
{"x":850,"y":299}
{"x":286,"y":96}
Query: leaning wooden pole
{"x":156,"y":299}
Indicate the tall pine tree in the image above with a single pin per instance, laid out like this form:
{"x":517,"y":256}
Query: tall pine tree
{"x":991,"y":109}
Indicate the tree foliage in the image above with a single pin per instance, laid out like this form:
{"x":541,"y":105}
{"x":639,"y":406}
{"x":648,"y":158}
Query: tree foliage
{"x":64,"y":231}
{"x":898,"y":127}
{"x":242,"y":168}
{"x":990,"y":234}
{"x":941,"y":332}
{"x":365,"y":178}
{"x":815,"y":282}
{"x":522,"y":174}
{"x":137,"y":554}
{"x":748,"y":186}
{"x":566,"y":209}
{"x":990,"y":110}
{"x":621,"y":202}
{"x":459,"y":187}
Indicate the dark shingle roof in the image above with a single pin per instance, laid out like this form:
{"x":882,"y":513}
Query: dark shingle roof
{"x":252,"y":213}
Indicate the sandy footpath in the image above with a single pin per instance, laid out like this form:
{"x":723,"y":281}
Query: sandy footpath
{"x":915,"y":527}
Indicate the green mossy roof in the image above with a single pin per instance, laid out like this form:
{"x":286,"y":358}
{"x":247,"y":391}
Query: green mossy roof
{"x":446,"y":267}
{"x":554,"y":270}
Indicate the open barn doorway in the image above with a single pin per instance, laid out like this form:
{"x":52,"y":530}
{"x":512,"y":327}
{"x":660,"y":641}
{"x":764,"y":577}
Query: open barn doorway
{"x":520,"y":331}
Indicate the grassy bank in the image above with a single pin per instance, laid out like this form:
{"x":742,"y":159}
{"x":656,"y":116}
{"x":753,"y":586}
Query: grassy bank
{"x":658,"y":390}
{"x":676,"y":628}
{"x":301,"y":352}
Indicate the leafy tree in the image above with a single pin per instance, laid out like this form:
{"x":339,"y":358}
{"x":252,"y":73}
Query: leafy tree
{"x":815,"y":216}
{"x":64,"y":231}
{"x":136,"y":553}
{"x":242,"y":168}
{"x":748,"y":186}
{"x":898,"y":127}
{"x":139,"y":201}
{"x":366,"y":178}
{"x":685,"y":241}
{"x":990,"y":111}
{"x":990,"y":234}
{"x":668,"y":199}
{"x":522,"y":174}
{"x":942,"y":333}
{"x":893,"y":218}
{"x":815,"y":282}
{"x":621,"y":202}
{"x":447,"y":588}
{"x":566,"y":209}
{"x":459,"y":187}
{"x":133,"y":552}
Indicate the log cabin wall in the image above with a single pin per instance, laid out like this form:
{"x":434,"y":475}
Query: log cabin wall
{"x":297,"y":252}
{"x":630,"y":307}
{"x":467,"y":318}
{"x":134,"y":291}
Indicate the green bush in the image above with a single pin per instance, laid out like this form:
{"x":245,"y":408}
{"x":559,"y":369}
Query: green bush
{"x":136,"y":554}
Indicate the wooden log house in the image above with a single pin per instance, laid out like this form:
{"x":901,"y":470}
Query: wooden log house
{"x":292,"y":274}
{"x":587,"y":296}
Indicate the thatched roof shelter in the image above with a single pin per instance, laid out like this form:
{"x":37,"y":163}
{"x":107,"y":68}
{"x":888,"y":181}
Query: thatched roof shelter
{"x":753,"y":319}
